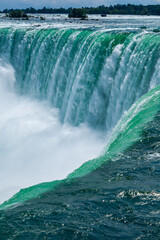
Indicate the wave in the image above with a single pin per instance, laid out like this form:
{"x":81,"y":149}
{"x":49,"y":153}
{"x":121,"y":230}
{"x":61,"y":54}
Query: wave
{"x":127,"y":132}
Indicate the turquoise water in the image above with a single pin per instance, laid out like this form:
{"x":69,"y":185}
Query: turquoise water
{"x":80,"y":107}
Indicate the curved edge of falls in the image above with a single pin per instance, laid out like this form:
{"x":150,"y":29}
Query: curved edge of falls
{"x":126,"y":133}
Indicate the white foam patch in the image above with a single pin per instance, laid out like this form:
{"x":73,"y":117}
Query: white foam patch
{"x":34,"y":146}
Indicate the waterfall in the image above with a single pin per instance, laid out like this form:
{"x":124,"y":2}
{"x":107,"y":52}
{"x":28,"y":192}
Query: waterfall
{"x":63,"y":91}
{"x":92,"y":77}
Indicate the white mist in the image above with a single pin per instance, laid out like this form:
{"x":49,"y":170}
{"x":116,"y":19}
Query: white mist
{"x":34,"y":146}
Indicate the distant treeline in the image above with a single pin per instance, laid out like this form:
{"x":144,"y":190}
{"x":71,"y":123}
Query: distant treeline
{"x":116,"y":9}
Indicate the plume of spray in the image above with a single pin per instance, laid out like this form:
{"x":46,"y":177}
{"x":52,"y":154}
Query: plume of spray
{"x":34,"y":146}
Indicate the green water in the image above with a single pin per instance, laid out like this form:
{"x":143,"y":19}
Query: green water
{"x":92,"y":77}
{"x":87,"y":74}
{"x":127,"y":132}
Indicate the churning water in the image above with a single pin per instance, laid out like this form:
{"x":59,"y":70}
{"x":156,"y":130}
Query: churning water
{"x":35,"y":147}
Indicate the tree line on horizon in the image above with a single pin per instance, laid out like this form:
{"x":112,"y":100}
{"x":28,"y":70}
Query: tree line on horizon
{"x":128,"y":9}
